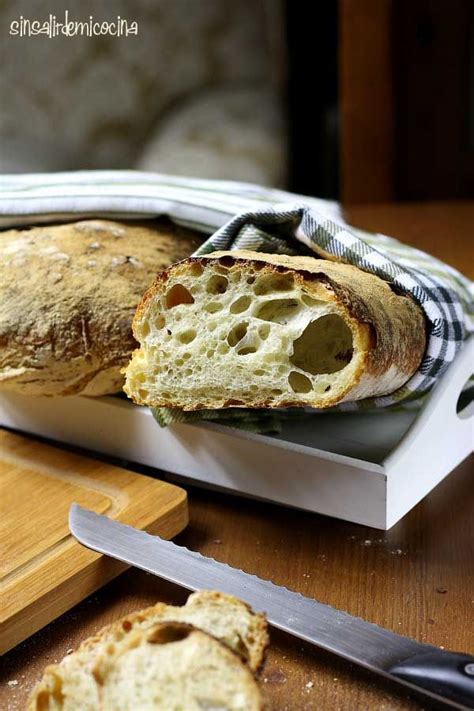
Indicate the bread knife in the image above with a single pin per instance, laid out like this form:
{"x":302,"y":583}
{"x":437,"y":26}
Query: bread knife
{"x":445,"y":676}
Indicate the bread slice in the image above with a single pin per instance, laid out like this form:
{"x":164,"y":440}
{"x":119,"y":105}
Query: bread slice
{"x":245,"y":329}
{"x":64,"y":686}
{"x":170,"y":667}
{"x":68,"y":294}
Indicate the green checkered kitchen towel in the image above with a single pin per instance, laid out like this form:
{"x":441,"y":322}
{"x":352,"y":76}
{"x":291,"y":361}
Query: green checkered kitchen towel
{"x":243,"y":216}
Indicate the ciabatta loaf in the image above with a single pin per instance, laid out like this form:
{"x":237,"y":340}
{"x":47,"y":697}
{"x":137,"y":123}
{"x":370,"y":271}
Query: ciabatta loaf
{"x":68,"y":294}
{"x":245,"y":329}
{"x":80,"y":675}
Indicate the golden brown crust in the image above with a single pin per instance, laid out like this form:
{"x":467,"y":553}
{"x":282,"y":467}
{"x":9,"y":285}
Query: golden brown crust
{"x":389,"y":328}
{"x":67,"y":297}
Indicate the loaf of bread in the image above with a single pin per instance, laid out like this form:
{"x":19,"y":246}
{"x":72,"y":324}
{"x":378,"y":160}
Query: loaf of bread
{"x":67,"y":298}
{"x":164,"y":658}
{"x":245,"y":329}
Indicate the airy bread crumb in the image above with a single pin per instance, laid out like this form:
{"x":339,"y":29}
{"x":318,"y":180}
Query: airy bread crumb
{"x":245,"y":329}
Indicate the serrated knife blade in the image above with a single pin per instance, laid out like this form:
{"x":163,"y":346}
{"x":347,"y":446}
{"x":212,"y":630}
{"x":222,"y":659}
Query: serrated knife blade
{"x":445,"y":676}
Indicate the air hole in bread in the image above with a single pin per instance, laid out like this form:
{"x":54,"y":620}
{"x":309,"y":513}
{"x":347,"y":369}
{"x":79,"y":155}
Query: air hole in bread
{"x":213,"y":307}
{"x":217,"y":284}
{"x":273,"y":282}
{"x":299,"y":383}
{"x":196,"y":269}
{"x":242,"y":647}
{"x":259,"y":371}
{"x":169,"y":632}
{"x":145,"y":329}
{"x":178,"y":294}
{"x":42,"y":701}
{"x":325,"y":346}
{"x":187,"y":336}
{"x":278,"y":310}
{"x":240,"y":305}
{"x":126,"y":625}
{"x":159,"y":322}
{"x":264,"y":331}
{"x":219,"y":269}
{"x":310,"y":301}
{"x":57,"y":691}
{"x":98,"y":676}
{"x":246,"y":350}
{"x":237,"y":333}
{"x":225,"y":262}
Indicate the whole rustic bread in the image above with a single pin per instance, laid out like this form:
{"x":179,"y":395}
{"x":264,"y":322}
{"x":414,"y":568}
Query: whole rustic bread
{"x":64,"y":686}
{"x":246,"y":329}
{"x":67,"y":298}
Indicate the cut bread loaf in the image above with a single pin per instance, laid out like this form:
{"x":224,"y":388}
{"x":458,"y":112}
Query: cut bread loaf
{"x":245,"y":329}
{"x":229,"y":623}
{"x":68,"y":294}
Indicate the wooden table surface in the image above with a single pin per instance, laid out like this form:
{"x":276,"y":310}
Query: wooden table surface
{"x":417,"y":578}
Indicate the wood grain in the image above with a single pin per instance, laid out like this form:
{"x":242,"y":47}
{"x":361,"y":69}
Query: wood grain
{"x":44,"y":570}
{"x":416,"y":579}
{"x":443,"y":229}
{"x":366,"y":101}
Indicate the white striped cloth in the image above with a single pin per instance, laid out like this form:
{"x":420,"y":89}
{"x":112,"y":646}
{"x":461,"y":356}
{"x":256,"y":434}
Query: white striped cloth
{"x":239,"y":215}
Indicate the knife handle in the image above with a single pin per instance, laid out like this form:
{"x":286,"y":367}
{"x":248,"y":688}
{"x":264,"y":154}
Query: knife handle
{"x":449,"y":675}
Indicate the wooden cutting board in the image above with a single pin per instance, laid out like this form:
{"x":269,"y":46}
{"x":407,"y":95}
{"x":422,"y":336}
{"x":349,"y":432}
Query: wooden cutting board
{"x":43,"y":570}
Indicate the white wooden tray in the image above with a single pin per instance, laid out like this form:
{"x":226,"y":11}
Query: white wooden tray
{"x":366,"y":468}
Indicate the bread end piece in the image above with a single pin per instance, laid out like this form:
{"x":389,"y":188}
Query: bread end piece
{"x":246,"y":329}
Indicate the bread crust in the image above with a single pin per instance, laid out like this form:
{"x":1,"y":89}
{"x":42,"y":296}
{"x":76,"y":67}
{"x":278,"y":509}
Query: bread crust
{"x":388,"y":328}
{"x":68,"y":294}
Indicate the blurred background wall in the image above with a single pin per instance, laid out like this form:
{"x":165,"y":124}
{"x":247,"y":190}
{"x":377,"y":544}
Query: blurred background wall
{"x":198,"y":91}
{"x":361,"y":100}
